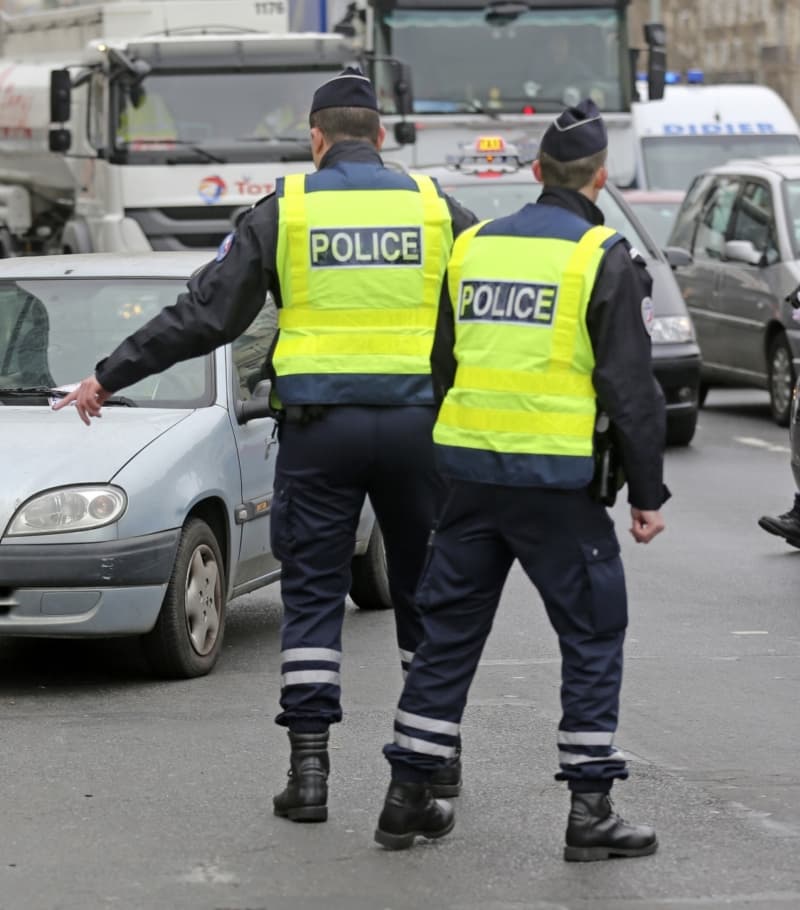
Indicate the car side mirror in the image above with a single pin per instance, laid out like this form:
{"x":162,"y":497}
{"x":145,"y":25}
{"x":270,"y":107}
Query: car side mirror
{"x":258,"y":406}
{"x":678,"y":257}
{"x":743,"y":251}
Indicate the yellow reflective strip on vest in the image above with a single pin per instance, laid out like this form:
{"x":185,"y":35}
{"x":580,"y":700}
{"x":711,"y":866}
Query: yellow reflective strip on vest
{"x":571,"y":294}
{"x":342,"y":343}
{"x":457,"y":257}
{"x":293,"y":213}
{"x":363,"y":317}
{"x":553,"y":382}
{"x":495,"y":420}
{"x":433,"y":217}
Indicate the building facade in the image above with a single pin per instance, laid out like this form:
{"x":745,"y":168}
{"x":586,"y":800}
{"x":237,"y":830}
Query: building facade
{"x":730,"y":40}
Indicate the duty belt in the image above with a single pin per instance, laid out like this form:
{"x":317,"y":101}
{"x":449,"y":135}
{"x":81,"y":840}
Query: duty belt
{"x":303,"y":413}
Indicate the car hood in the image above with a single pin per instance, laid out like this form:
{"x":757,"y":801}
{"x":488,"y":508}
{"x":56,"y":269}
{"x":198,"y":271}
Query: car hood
{"x":44,"y":449}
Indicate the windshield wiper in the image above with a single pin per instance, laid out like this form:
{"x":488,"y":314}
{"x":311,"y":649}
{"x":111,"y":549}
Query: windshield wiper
{"x":301,"y":140}
{"x":183,"y":143}
{"x":44,"y":391}
{"x":28,"y":391}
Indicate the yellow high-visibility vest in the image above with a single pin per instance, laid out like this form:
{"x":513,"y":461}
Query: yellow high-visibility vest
{"x":360,"y":269}
{"x":522,"y":407}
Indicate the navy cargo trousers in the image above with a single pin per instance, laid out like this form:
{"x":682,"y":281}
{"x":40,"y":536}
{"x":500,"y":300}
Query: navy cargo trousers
{"x":325,"y":468}
{"x":566,"y":544}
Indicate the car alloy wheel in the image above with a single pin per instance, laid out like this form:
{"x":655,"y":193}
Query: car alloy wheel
{"x":781,"y":380}
{"x":203,"y":599}
{"x":187,"y":637}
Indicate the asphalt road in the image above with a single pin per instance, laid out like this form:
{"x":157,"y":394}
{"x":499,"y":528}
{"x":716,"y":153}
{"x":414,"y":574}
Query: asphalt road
{"x":120,"y":792}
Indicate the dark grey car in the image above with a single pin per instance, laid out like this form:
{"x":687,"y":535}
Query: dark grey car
{"x":741,"y":225}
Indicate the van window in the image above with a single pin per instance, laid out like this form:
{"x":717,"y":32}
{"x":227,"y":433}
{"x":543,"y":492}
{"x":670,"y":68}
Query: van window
{"x":709,"y":238}
{"x":670,"y":162}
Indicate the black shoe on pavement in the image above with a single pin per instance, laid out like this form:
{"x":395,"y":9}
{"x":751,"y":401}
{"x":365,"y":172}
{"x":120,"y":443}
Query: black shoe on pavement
{"x":411,"y":811}
{"x":595,"y":831}
{"x":305,"y":798}
{"x":786,"y":526}
{"x":446,"y":782}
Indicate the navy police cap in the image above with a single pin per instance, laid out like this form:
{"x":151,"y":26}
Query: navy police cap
{"x":576,"y":133}
{"x":350,"y":88}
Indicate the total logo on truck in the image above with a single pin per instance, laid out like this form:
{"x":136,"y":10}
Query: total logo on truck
{"x":695,"y":127}
{"x":214,"y":188}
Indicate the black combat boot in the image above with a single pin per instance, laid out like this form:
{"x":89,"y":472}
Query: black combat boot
{"x":305,"y":798}
{"x":410,"y":811}
{"x":595,"y":831}
{"x":786,"y":526}
{"x":446,"y":782}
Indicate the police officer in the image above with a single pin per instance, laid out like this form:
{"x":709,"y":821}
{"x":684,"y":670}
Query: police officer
{"x":354,"y":255}
{"x":548,"y":323}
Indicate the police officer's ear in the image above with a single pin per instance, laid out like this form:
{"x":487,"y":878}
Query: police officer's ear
{"x":536,"y":167}
{"x":600,"y":178}
{"x":381,"y":137}
{"x":319,"y":144}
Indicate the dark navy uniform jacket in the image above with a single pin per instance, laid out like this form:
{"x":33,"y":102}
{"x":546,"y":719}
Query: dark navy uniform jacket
{"x":623,"y":375}
{"x":225,"y":296}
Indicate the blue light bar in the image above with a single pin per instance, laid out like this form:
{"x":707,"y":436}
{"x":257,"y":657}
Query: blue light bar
{"x":671,"y":77}
{"x":695,"y":77}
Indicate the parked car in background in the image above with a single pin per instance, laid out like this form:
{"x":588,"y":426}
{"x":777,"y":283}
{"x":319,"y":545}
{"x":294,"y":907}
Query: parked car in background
{"x":740,"y":223}
{"x":149,"y":521}
{"x":656,"y":211}
{"x":489,"y":178}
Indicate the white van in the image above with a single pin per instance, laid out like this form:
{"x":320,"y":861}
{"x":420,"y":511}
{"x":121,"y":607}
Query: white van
{"x":696,"y":127}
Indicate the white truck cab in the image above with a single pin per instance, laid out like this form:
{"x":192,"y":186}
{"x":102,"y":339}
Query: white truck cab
{"x":151,"y":124}
{"x":695,"y":127}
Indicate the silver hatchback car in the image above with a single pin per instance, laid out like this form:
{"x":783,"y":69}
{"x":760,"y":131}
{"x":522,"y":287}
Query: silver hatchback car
{"x":741,"y":225}
{"x":149,"y":521}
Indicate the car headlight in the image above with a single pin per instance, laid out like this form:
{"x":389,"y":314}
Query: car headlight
{"x":68,"y":509}
{"x":672,"y":329}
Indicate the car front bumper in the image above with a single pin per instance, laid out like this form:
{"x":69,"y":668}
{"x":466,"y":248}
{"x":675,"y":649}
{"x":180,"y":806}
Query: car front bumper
{"x":79,"y":590}
{"x":677,"y":369}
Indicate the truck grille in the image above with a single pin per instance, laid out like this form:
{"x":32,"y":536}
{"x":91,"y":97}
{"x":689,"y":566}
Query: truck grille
{"x":186,"y":227}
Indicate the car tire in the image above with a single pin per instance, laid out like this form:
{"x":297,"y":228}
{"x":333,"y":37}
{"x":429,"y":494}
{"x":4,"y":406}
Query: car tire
{"x":187,"y":637}
{"x":780,"y":379}
{"x":369,"y":589}
{"x":681,"y":428}
{"x":702,"y":393}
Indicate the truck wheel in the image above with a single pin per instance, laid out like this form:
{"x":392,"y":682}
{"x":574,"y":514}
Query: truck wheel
{"x":187,"y":637}
{"x":781,"y":379}
{"x":370,"y":585}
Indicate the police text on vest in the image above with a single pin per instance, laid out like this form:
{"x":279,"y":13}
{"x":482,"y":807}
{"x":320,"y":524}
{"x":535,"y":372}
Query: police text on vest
{"x":357,"y":247}
{"x":507,"y":301}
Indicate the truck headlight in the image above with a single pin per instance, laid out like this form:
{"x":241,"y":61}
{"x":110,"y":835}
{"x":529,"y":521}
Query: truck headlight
{"x":68,"y":509}
{"x":672,"y":330}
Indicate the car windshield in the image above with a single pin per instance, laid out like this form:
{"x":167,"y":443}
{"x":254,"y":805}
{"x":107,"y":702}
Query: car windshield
{"x":172,"y":111}
{"x":493,"y":198}
{"x":672,"y":162}
{"x":53,"y":331}
{"x":542,"y":59}
{"x":657,"y":218}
